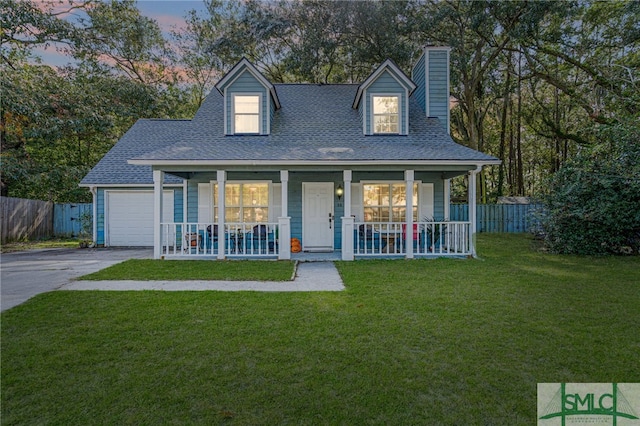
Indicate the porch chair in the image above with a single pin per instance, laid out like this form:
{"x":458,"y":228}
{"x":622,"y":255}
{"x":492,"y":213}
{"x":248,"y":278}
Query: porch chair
{"x":418,"y":239}
{"x":367,"y":236}
{"x":211,"y":238}
{"x":261,"y":240}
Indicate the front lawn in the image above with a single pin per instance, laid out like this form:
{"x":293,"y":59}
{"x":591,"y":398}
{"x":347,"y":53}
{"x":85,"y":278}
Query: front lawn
{"x":180,"y":270}
{"x":409,"y":342}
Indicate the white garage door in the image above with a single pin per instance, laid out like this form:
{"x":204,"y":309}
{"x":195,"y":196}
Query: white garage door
{"x":129,"y":218}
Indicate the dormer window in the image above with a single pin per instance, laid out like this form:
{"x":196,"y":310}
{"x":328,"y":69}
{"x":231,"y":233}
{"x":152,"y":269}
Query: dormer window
{"x":386,"y":114}
{"x":246,"y":114}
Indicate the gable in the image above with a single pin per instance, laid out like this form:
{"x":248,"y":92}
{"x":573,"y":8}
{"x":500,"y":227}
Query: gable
{"x":245,"y":80}
{"x":385,"y":84}
{"x":246,"y":84}
{"x":389,"y":82}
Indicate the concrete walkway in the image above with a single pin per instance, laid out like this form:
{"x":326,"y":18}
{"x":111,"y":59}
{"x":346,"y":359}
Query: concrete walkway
{"x":309,"y":276}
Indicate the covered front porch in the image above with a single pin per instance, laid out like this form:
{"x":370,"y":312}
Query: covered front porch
{"x":323,"y":212}
{"x":368,"y":239}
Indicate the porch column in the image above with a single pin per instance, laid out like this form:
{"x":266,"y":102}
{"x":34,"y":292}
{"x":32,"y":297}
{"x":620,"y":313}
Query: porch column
{"x":347,"y":220}
{"x":284,"y":179}
{"x":284,"y":222}
{"x":284,"y":238}
{"x":347,"y":176}
{"x":409,"y":178}
{"x":222,"y":180}
{"x":472,"y":208}
{"x":158,"y":181}
{"x":447,"y":199}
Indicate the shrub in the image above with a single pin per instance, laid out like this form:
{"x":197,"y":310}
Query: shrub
{"x":593,"y":203}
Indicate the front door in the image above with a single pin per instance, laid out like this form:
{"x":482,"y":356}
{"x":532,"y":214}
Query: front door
{"x":318,"y":221}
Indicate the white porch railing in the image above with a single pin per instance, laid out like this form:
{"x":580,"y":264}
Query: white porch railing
{"x":444,"y":238}
{"x":242,"y":239}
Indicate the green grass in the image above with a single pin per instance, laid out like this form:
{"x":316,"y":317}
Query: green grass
{"x":180,"y":270}
{"x":409,"y":342}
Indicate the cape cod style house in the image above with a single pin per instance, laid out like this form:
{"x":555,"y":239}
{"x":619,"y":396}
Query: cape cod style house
{"x":265,"y":168}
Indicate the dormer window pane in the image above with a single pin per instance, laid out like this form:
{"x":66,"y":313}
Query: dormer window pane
{"x":247,"y":114}
{"x":385,"y":114}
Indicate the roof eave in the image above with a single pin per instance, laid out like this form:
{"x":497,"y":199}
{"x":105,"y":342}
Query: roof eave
{"x":396,"y":72}
{"x":217,"y":163}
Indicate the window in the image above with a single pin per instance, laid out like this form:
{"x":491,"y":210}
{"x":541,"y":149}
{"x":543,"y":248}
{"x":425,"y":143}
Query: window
{"x":246,"y":110}
{"x":385,"y":114}
{"x":386,"y":202}
{"x":245,"y":202}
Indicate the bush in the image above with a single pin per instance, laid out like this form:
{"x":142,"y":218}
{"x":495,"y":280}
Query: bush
{"x":593,"y":204}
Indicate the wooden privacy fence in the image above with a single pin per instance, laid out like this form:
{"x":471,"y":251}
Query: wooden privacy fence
{"x":22,"y":219}
{"x":499,"y":217}
{"x":32,"y":219}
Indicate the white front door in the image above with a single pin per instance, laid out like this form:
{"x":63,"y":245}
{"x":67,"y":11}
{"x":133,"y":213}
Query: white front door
{"x":318,"y":222}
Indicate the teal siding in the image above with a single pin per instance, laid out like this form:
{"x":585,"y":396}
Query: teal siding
{"x":100,"y":218}
{"x":178,"y":204}
{"x":192,"y":201}
{"x":247,"y":83}
{"x":418,"y":77}
{"x":295,"y":192}
{"x":386,"y":83}
{"x":438,"y":82}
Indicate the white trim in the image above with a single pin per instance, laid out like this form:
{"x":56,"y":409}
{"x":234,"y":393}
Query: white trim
{"x":389,"y":182}
{"x":372,"y":115}
{"x":225,"y":115}
{"x":106,"y":193}
{"x":332,"y":208}
{"x":221,"y":177}
{"x":232,"y":122}
{"x":284,"y":197}
{"x":447,"y":198}
{"x":158,"y":194}
{"x":406,"y":116}
{"x":94,"y":197}
{"x":128,"y":185}
{"x":395,"y":73}
{"x":268,"y":113}
{"x":409,"y":177}
{"x":340,"y":163}
{"x":185,"y":200}
{"x":233,"y":74}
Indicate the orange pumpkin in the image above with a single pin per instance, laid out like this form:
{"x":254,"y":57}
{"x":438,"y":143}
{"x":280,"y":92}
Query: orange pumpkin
{"x":296,"y":247}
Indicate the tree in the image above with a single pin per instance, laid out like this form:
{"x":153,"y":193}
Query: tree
{"x":114,"y":35}
{"x":592,"y":205}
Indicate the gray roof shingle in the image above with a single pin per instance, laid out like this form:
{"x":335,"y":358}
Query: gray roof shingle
{"x":144,"y":136}
{"x":315,"y":123}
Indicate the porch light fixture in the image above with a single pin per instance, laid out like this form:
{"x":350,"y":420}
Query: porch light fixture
{"x":339,"y":192}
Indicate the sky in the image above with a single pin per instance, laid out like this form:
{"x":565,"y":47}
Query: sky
{"x":168,"y":14}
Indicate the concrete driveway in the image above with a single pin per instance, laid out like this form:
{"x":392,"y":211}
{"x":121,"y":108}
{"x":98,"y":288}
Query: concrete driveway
{"x":27,"y":273}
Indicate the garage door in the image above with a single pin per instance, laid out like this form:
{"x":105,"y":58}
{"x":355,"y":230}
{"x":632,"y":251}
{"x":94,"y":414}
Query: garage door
{"x":129,"y":218}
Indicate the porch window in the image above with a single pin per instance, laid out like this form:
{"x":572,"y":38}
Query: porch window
{"x":386,"y":202}
{"x":385,"y":114}
{"x":245,"y":202}
{"x":246,"y":110}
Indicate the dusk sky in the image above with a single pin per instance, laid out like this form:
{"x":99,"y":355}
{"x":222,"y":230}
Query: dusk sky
{"x":168,"y":14}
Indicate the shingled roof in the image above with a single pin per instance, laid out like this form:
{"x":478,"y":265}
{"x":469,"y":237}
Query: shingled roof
{"x":144,"y":136}
{"x":315,"y":124}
